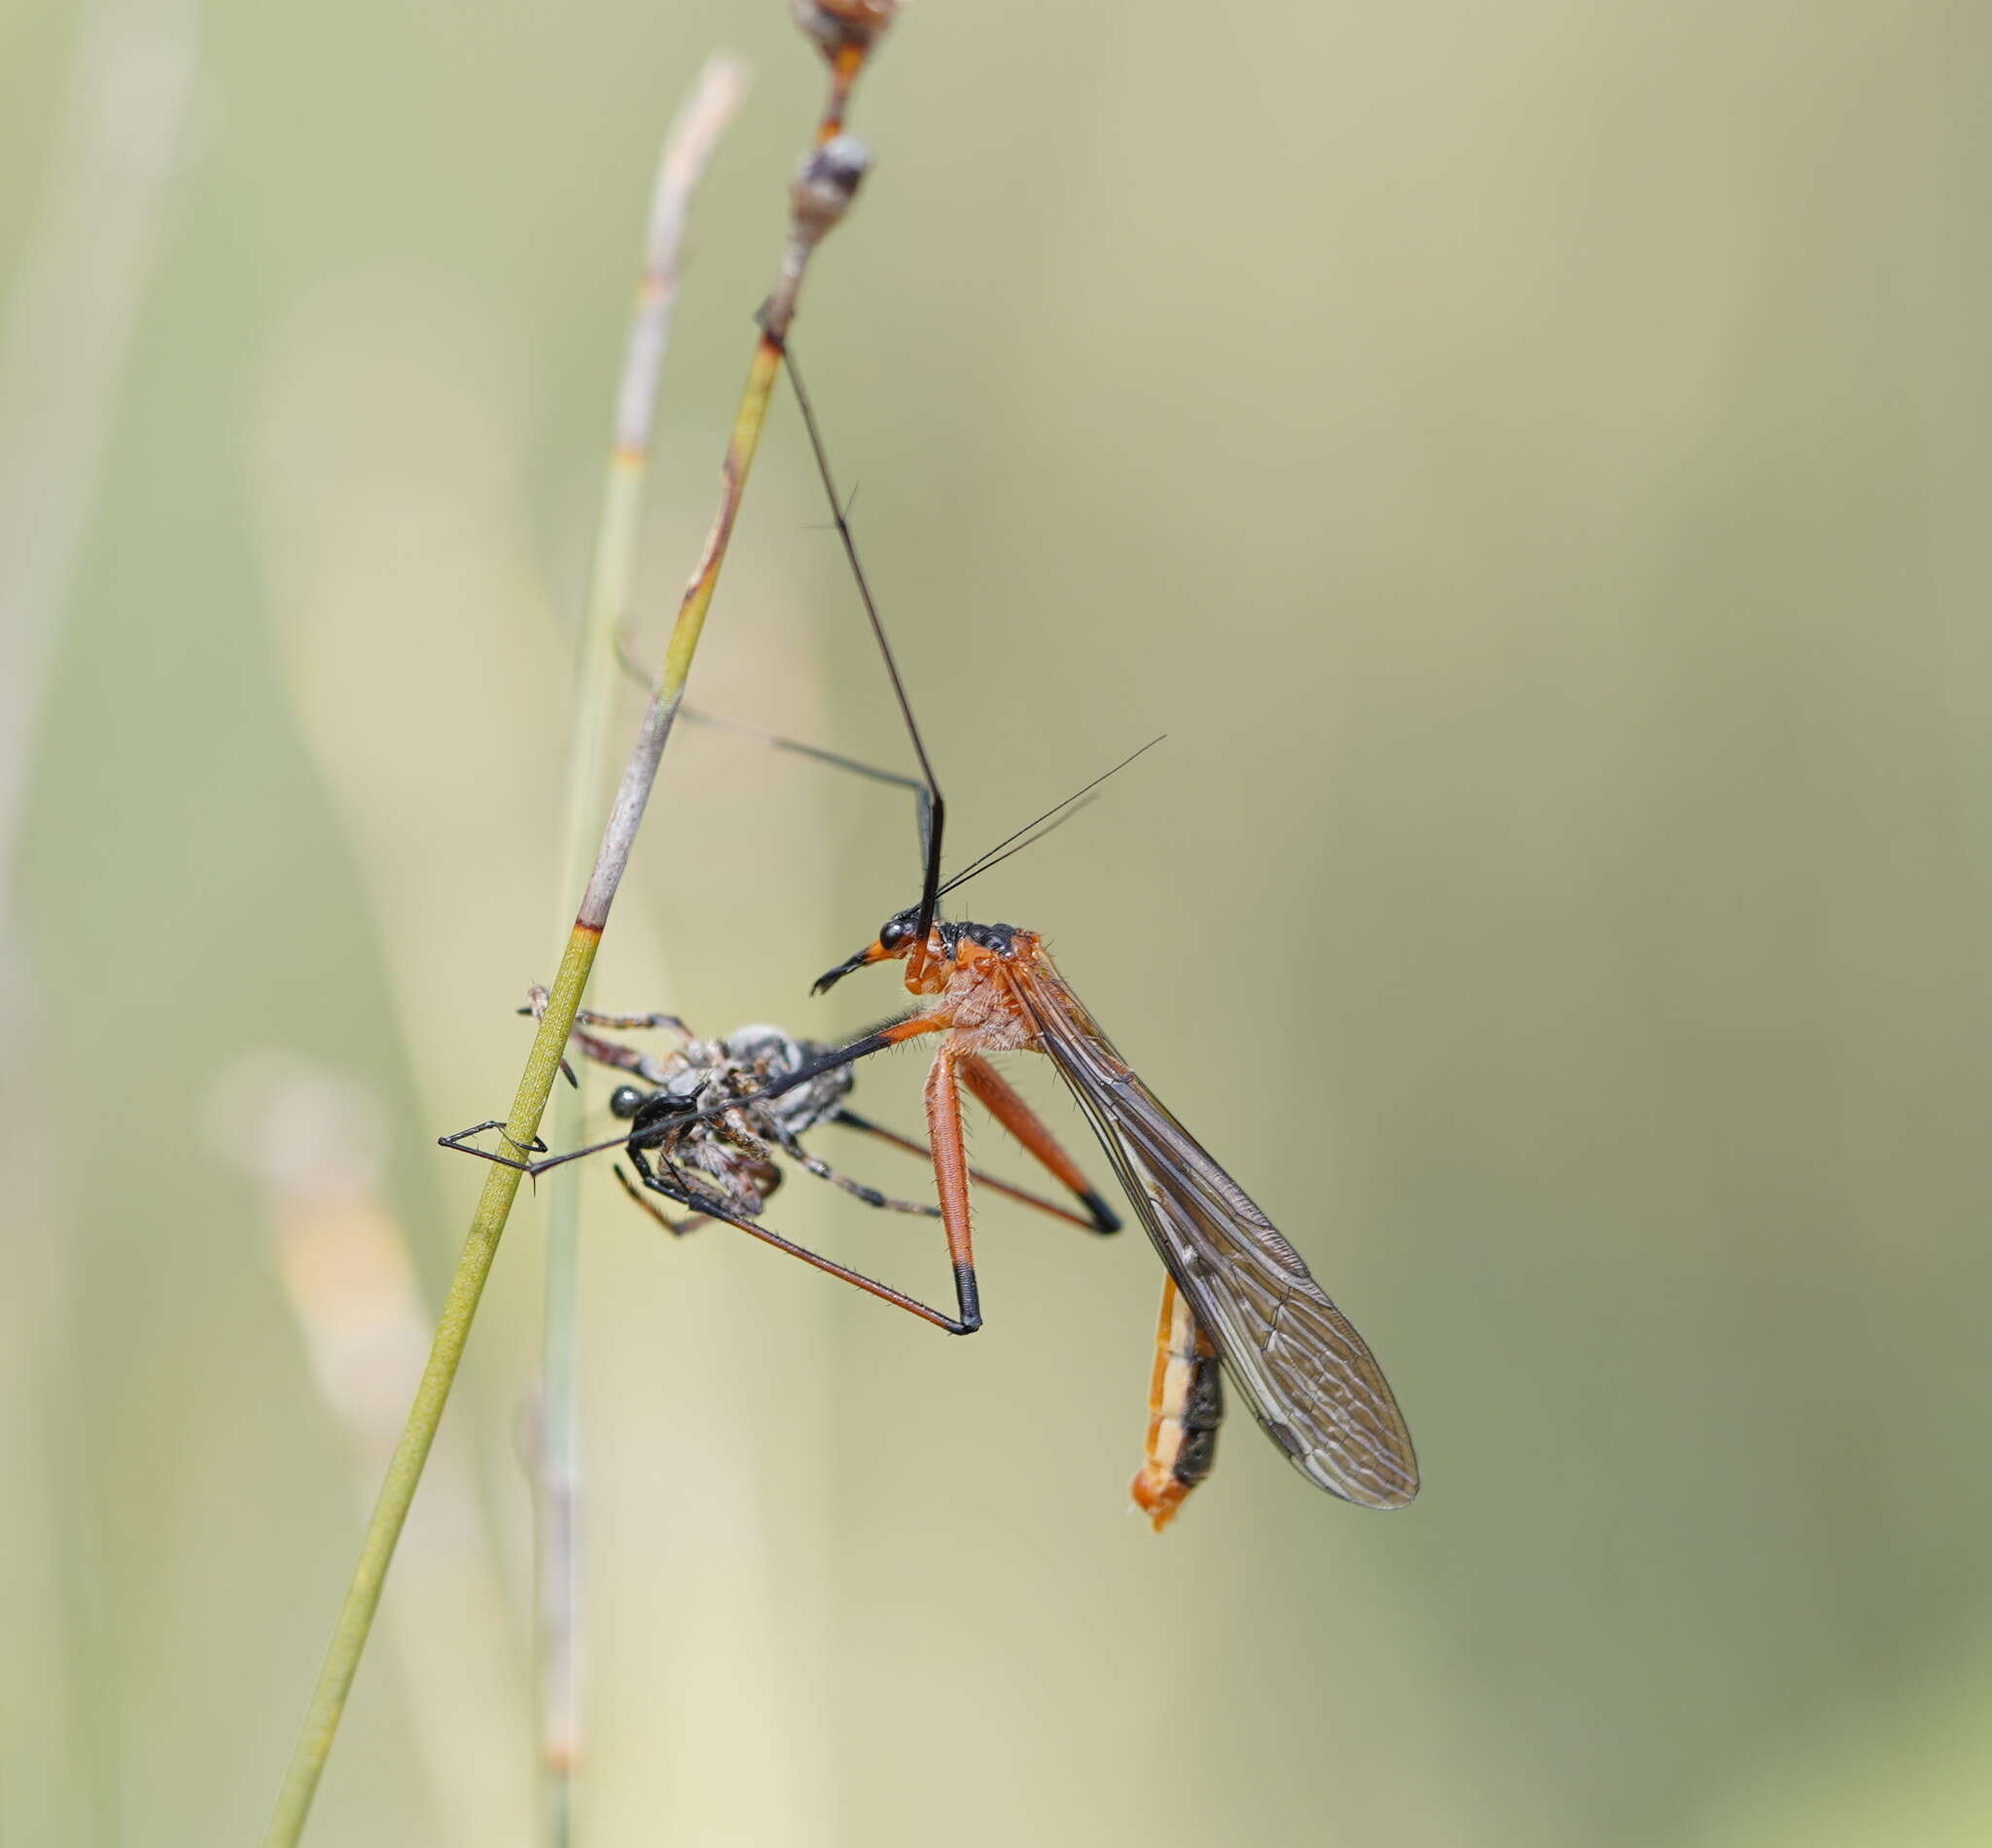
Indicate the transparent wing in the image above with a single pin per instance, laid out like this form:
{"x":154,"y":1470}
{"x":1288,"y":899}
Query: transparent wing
{"x":1310,"y":1380}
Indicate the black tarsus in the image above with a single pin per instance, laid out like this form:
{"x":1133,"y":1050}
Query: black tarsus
{"x":930,"y":876}
{"x":1105,"y":1218}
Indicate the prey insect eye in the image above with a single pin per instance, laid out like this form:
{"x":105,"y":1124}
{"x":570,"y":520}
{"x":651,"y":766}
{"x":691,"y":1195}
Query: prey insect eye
{"x":626,"y":1100}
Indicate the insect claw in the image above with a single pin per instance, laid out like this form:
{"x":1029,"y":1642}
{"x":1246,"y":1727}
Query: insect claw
{"x":460,"y":1143}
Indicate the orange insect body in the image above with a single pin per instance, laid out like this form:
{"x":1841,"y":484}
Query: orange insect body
{"x":968,"y":970}
{"x":1246,"y":1299}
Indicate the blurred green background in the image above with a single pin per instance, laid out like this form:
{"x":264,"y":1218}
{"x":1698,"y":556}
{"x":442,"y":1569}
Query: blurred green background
{"x":1532,"y":462}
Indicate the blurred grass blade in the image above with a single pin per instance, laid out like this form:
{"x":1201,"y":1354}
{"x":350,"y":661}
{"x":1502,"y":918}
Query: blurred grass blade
{"x":74,"y":281}
{"x":688,"y":145}
{"x":316,"y":1146}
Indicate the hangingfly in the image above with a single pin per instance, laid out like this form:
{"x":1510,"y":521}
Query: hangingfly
{"x":1247,"y":1296}
{"x":1237,"y":1297}
{"x":1308,"y":1375}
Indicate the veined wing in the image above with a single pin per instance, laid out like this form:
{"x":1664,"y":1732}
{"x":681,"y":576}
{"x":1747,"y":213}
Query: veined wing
{"x":1312,"y":1383}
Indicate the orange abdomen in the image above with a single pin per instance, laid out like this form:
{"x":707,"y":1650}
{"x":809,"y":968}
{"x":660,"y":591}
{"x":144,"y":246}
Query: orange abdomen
{"x":1185,"y":1406}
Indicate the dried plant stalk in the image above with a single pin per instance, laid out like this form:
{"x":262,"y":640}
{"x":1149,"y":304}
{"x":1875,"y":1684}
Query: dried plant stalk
{"x":822,"y":193}
{"x":688,"y":148}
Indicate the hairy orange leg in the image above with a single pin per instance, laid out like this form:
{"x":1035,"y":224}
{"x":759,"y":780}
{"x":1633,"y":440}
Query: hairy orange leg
{"x":952,"y":1180}
{"x":1002,"y":1103}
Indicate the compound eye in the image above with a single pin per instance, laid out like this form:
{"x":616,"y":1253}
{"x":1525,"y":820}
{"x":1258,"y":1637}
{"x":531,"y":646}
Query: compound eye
{"x":893,"y":932}
{"x":626,"y":1100}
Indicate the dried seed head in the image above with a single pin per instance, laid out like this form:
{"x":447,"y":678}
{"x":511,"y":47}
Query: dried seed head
{"x":826,"y":183}
{"x":841,"y":25}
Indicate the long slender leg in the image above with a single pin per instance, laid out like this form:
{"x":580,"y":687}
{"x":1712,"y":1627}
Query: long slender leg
{"x":634,"y":1023}
{"x":815,"y":1164}
{"x":455,"y":1140}
{"x":966,"y":1325}
{"x":850,"y":1120}
{"x":618,"y":1058}
{"x":893,"y":1033}
{"x":1022,"y":1122}
{"x":837,"y":759}
{"x":952,"y":1180}
{"x":536,"y":1006}
{"x":608,"y":1052}
{"x":922,"y":795}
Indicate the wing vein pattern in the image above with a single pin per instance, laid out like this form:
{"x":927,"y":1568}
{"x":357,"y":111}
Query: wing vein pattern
{"x":1311,"y":1379}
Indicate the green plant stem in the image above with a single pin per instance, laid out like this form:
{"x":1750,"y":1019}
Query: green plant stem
{"x":821,"y":195}
{"x":404,"y":1472}
{"x":687,"y":147}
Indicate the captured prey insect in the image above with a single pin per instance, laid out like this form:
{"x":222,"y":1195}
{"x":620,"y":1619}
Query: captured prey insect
{"x":710,"y":1116}
{"x":729,"y":1155}
{"x":1237,"y":1293}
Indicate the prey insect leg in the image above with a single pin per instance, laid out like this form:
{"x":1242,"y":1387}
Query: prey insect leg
{"x":967,"y":1323}
{"x":857,"y":1190}
{"x":606,"y":1051}
{"x":634,"y":1023}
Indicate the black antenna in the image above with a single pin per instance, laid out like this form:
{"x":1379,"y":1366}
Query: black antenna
{"x":994,"y":859}
{"x":930,"y":879}
{"x":984,"y":862}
